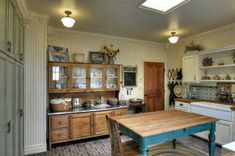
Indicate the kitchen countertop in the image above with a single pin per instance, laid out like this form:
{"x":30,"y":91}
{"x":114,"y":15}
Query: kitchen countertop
{"x":86,"y":110}
{"x":195,"y":100}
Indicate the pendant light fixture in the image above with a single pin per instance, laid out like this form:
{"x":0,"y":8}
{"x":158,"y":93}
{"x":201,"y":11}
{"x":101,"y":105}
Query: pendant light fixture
{"x":67,"y":20}
{"x":173,"y":39}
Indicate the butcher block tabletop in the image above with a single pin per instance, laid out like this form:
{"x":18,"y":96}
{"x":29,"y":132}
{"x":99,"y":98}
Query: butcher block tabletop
{"x":153,"y":123}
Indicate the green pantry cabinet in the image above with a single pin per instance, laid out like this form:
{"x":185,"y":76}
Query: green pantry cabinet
{"x":11,"y":80}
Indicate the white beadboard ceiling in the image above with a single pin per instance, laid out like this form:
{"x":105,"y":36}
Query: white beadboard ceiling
{"x":124,"y":18}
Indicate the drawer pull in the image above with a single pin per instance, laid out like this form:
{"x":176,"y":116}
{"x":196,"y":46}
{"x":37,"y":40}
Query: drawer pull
{"x":59,"y":122}
{"x":59,"y":135}
{"x":181,"y":104}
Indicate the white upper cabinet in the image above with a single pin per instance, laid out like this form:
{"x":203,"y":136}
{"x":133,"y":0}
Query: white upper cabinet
{"x":190,"y":68}
{"x":11,"y":30}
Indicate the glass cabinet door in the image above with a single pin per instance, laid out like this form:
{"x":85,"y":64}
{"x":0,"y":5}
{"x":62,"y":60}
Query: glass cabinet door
{"x":79,"y":77}
{"x":58,"y":78}
{"x":112,"y":77}
{"x":96,"y":77}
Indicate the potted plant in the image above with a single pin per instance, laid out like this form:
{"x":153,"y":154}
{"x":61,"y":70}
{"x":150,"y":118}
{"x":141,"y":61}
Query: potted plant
{"x":193,"y":47}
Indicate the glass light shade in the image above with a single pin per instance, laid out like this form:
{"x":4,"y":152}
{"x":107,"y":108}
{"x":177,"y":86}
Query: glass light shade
{"x":68,"y":21}
{"x":173,"y":39}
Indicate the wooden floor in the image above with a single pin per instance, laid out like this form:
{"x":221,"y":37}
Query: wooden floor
{"x":101,"y":147}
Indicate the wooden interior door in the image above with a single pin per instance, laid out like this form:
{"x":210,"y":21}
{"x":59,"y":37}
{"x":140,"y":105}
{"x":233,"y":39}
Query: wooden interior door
{"x":154,"y":86}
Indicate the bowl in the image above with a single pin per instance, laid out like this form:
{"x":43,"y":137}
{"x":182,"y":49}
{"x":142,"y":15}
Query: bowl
{"x":112,"y":101}
{"x":135,"y":100}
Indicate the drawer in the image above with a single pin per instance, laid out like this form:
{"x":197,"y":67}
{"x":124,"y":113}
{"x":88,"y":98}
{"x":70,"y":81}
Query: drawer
{"x":182,"y":106}
{"x":60,"y":134}
{"x":59,"y":122}
{"x":120,"y":112}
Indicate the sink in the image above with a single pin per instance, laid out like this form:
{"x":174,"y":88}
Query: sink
{"x":101,"y":106}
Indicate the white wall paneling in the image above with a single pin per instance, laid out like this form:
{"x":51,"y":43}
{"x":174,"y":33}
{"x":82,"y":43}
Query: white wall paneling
{"x":35,"y":85}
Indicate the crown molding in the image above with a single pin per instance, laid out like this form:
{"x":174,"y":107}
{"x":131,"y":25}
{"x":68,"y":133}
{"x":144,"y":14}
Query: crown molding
{"x":22,"y":8}
{"x":29,"y":16}
{"x":104,"y":35}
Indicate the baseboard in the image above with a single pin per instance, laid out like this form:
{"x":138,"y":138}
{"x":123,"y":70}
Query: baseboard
{"x":35,"y":149}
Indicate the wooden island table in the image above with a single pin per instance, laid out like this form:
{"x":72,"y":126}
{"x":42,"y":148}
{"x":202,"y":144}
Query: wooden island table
{"x":156,"y":127}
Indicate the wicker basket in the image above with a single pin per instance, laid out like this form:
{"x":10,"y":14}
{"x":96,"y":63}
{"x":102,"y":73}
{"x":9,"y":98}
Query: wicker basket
{"x":60,"y":105}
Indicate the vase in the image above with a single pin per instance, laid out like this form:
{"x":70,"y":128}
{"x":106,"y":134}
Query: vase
{"x":111,"y":60}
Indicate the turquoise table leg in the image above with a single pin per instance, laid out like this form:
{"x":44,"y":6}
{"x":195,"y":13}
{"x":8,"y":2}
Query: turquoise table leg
{"x":212,"y":140}
{"x":143,"y":147}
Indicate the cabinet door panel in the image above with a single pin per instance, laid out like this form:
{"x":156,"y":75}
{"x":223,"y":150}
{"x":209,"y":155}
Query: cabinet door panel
{"x":59,"y":122}
{"x":10,"y":67}
{"x":60,"y":134}
{"x":58,"y":78}
{"x":100,"y":124}
{"x":16,"y":137}
{"x":3,"y":25}
{"x":2,"y":92}
{"x":96,"y":77}
{"x":81,"y":126}
{"x":10,"y":30}
{"x":3,"y":144}
{"x":112,"y":77}
{"x":21,"y":42}
{"x":121,"y":112}
{"x":16,"y":35}
{"x":21,"y":135}
{"x":79,"y":78}
{"x":189,"y":68}
{"x":10,"y":142}
{"x":9,"y":89}
{"x":223,"y":132}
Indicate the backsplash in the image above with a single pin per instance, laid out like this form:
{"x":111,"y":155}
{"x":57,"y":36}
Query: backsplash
{"x":202,"y":92}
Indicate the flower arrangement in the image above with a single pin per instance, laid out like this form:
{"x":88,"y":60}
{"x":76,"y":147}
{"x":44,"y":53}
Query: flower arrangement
{"x":192,"y":46}
{"x":110,"y":51}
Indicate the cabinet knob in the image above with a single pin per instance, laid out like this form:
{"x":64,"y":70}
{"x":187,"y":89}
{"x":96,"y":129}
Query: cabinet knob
{"x":8,"y":127}
{"x":21,"y":56}
{"x":9,"y":46}
{"x":21,"y":112}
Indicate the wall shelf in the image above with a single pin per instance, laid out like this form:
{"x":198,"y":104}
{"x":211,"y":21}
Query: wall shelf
{"x":218,"y":66}
{"x":231,"y":81}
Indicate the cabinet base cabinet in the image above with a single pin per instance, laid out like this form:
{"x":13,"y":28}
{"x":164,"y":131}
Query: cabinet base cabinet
{"x":223,"y":133}
{"x":81,"y":125}
{"x":64,"y":128}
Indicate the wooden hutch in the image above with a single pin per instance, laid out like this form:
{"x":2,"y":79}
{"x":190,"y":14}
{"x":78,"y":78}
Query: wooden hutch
{"x":86,"y":81}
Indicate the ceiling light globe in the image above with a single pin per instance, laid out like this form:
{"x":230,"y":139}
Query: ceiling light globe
{"x":68,"y":21}
{"x":173,"y":39}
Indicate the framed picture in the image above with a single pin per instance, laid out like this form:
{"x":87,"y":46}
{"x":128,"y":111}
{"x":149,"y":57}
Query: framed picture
{"x":97,"y":57}
{"x":58,"y":54}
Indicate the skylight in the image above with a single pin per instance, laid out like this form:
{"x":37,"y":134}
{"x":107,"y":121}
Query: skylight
{"x":162,"y":6}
